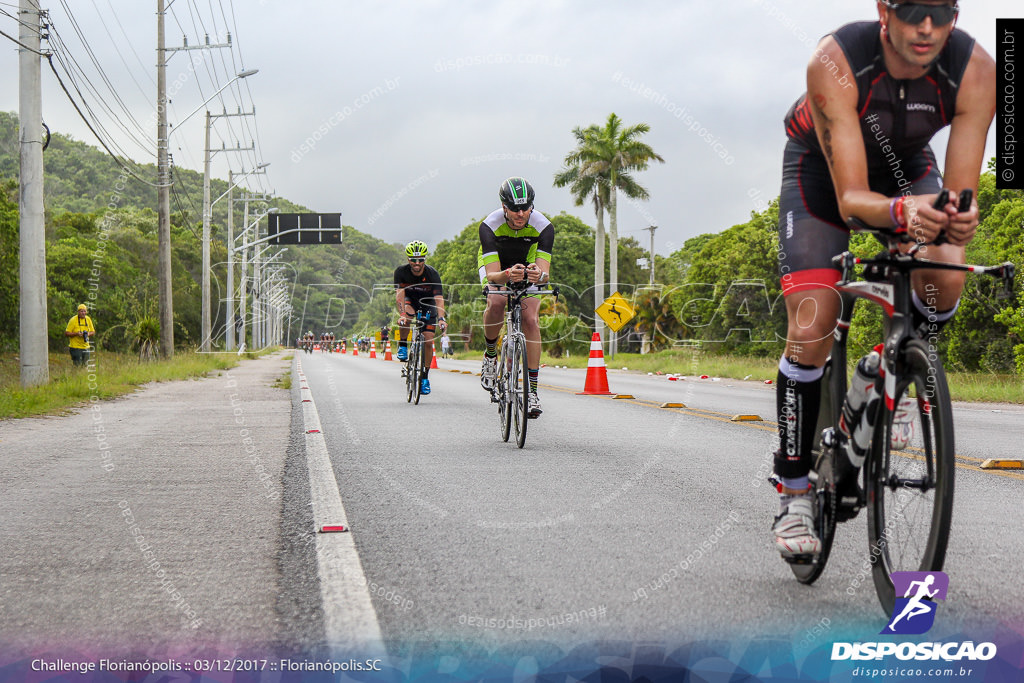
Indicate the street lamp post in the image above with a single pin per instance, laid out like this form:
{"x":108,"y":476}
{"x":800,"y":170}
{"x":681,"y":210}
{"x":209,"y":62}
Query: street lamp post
{"x":207,"y":214}
{"x":166,"y":310}
{"x":245,"y":270}
{"x":164,"y":172}
{"x":652,"y":229}
{"x":207,"y":209}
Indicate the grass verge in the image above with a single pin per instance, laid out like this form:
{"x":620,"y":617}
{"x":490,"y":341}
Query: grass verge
{"x":111,"y":375}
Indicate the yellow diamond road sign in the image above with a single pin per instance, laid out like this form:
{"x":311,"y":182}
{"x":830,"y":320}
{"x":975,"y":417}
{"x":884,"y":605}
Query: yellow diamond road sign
{"x":615,"y":311}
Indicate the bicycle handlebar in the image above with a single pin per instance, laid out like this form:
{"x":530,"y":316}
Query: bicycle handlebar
{"x":518,"y":291}
{"x":845,"y":261}
{"x":901,"y":234}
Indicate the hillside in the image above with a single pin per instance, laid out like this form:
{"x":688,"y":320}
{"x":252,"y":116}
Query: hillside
{"x":79,"y":180}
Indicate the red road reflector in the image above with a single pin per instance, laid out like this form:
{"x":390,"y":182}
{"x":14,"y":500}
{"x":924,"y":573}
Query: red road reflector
{"x":312,"y":431}
{"x":333,"y":528}
{"x":307,"y":400}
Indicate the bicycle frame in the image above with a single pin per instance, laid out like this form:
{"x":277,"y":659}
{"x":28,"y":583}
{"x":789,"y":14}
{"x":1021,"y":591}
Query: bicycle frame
{"x":512,"y":365}
{"x":906,"y":360}
{"x":894,"y":292}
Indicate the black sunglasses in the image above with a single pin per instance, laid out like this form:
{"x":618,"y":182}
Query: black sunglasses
{"x":913,"y":13}
{"x":517,"y":209}
{"x":417,"y":260}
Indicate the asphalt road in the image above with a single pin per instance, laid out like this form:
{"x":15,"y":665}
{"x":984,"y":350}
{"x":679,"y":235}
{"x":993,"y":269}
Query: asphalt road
{"x":643,"y":523}
{"x":619,"y":522}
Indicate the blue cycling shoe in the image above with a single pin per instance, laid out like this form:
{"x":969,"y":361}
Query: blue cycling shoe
{"x":403,"y":353}
{"x":424,"y":386}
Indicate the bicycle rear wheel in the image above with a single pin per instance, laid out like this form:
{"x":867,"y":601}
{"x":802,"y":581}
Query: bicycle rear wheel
{"x":519,"y":398}
{"x":910,"y":474}
{"x":501,"y":387}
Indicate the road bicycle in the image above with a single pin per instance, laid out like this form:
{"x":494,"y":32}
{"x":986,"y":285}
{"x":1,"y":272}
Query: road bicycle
{"x":512,"y":386}
{"x":906,"y":480}
{"x":413,"y":370}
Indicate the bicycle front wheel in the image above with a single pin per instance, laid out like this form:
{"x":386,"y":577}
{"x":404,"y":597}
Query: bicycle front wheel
{"x":520,"y":391}
{"x":501,"y":387}
{"x":417,"y":354}
{"x":910,"y":473}
{"x":412,"y":375}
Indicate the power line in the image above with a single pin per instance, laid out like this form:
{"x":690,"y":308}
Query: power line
{"x":143,"y":142}
{"x":120,"y":163}
{"x":21,"y":44}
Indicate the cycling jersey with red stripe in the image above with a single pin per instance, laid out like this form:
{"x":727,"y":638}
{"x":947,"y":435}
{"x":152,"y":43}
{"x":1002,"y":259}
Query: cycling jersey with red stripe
{"x":898,"y":118}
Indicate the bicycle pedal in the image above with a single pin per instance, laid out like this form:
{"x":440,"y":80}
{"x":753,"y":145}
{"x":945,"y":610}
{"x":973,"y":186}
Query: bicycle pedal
{"x":804,"y":559}
{"x":848,"y":508}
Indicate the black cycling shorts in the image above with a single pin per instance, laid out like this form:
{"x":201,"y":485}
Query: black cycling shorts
{"x":811,"y":231}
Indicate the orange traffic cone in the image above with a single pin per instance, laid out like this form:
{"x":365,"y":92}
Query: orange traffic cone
{"x":433,"y":358}
{"x":387,"y":351}
{"x":343,"y":349}
{"x":373,"y":348}
{"x":597,"y":372}
{"x":355,"y":350}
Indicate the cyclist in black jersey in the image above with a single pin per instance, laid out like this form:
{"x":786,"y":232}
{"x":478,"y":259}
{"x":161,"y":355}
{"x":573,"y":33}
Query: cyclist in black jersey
{"x":859,"y":146}
{"x":515,"y":245}
{"x":418,"y":290}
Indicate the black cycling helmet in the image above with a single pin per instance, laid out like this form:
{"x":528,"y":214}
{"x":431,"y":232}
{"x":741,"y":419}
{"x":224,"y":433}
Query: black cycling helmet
{"x":516,"y":194}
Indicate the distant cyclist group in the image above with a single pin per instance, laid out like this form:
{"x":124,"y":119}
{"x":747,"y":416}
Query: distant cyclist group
{"x":310,"y":342}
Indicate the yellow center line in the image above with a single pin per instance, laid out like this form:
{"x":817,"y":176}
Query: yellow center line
{"x":772,"y":426}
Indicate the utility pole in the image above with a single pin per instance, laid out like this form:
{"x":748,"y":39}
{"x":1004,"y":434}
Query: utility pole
{"x":652,"y":229}
{"x":33,"y":327}
{"x":163,"y":168}
{"x":229,"y":323}
{"x":204,"y":331}
{"x":205,"y":327}
{"x":243,"y":280}
{"x":163,"y":165}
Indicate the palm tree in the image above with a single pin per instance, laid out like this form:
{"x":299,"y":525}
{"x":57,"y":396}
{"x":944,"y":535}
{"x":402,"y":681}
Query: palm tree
{"x":585,"y":183}
{"x":609,"y":155}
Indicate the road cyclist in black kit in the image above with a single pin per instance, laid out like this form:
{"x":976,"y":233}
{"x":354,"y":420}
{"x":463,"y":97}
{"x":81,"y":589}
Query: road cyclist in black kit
{"x":858,"y":147}
{"x":419,"y":298}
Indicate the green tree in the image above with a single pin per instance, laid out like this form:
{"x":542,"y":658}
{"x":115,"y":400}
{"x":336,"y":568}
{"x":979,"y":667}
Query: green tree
{"x":731,"y":296}
{"x":610,"y":153}
{"x":9,"y":266}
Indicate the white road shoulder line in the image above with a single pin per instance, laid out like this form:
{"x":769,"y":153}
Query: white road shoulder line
{"x":350,"y":621}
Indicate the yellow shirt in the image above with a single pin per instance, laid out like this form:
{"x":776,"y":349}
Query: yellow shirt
{"x":74,"y":325}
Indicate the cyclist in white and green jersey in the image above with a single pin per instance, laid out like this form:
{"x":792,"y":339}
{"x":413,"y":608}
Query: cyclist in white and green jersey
{"x":515,"y":245}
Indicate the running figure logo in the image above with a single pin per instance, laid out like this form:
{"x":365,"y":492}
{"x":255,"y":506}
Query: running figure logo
{"x":914,"y":612}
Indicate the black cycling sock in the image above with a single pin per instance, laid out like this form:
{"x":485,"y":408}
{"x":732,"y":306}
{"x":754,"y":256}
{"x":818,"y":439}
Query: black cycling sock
{"x":928,"y":321}
{"x":492,"y":347}
{"x":797,"y":397}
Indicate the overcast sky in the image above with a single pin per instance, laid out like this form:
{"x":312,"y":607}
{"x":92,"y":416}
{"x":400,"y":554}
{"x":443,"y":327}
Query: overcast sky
{"x":406,"y":116}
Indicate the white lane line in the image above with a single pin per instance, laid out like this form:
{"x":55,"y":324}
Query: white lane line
{"x":350,"y":622}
